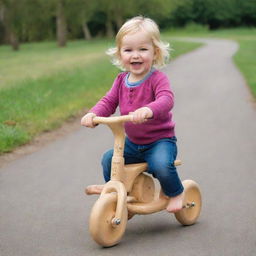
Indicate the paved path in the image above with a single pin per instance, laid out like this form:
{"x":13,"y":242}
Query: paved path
{"x":43,"y":211}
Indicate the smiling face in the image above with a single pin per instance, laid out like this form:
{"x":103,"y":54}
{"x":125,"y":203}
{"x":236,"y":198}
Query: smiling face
{"x":137,"y":54}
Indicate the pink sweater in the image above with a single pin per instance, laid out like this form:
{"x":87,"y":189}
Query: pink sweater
{"x":153,"y":92}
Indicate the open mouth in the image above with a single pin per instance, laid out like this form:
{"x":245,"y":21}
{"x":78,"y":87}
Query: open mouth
{"x":136,"y":64}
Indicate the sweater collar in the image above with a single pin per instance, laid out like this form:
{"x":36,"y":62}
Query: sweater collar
{"x":138,"y":83}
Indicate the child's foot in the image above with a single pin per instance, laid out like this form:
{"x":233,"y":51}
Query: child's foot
{"x":176,"y":203}
{"x":94,"y":189}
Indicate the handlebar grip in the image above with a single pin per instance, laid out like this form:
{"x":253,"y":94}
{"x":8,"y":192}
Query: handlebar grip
{"x":112,"y":119}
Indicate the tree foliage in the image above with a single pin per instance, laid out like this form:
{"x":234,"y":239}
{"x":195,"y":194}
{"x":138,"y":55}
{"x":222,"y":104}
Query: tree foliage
{"x":36,"y":20}
{"x":214,"y":13}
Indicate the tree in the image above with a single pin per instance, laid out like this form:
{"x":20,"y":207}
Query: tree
{"x":248,"y":12}
{"x":11,"y":17}
{"x":115,"y":13}
{"x":37,"y":23}
{"x":61,"y":24}
{"x":79,"y":14}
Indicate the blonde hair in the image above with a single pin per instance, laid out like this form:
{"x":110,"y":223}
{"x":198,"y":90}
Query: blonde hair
{"x":136,"y":24}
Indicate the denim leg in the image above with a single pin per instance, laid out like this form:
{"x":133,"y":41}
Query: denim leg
{"x":106,"y":164}
{"x":160,"y":157}
{"x":131,"y":156}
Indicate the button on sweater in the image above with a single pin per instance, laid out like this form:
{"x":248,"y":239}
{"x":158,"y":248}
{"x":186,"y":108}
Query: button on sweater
{"x":153,"y":92}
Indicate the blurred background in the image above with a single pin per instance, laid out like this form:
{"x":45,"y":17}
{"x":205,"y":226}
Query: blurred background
{"x":39,"y":20}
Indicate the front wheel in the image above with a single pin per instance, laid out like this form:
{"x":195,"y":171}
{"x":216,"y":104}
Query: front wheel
{"x":192,"y":204}
{"x":100,"y":226}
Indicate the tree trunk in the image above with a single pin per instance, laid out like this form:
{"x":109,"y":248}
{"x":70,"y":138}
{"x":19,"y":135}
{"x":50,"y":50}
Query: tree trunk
{"x":14,"y":41}
{"x":119,"y":20}
{"x":10,"y":34}
{"x":109,"y":27}
{"x":87,"y":33}
{"x":61,"y":24}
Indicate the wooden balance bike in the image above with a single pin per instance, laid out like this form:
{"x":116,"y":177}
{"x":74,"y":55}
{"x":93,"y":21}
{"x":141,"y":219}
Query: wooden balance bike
{"x":130,"y":191}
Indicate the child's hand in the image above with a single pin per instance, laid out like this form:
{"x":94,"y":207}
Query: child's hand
{"x":141,"y":115}
{"x":87,"y":120}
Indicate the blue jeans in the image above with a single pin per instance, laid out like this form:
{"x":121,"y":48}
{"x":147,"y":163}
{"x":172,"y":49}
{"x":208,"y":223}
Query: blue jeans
{"x":159,"y":155}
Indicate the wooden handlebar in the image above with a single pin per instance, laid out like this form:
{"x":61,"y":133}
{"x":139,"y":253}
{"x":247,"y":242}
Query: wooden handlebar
{"x":112,"y":119}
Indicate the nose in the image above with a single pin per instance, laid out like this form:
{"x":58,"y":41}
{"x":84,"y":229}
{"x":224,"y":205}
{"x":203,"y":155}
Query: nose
{"x":135,"y":54}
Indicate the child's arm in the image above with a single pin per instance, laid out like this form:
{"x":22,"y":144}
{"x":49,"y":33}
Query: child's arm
{"x":107,"y":105}
{"x":164,"y":97}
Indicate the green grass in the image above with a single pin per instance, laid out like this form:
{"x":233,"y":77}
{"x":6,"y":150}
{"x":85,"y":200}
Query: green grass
{"x":245,"y":57}
{"x":179,"y":47}
{"x":42,"y":85}
{"x":43,"y":104}
{"x":38,"y":59}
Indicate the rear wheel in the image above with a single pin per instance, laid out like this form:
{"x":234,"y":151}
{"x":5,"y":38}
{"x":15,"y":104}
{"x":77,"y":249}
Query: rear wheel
{"x":101,"y":227}
{"x":191,"y":204}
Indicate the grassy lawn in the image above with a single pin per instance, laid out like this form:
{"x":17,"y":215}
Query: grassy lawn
{"x":42,"y":85}
{"x":35,"y":60}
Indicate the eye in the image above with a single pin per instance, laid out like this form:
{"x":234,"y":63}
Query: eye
{"x":143,"y":49}
{"x":127,"y":50}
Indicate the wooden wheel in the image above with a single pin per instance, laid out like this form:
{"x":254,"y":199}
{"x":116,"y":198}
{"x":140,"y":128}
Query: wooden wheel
{"x":101,"y":227}
{"x":191,"y":205}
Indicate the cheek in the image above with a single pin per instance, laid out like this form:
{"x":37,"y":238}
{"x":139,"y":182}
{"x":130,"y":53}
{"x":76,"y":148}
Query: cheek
{"x":150,"y":58}
{"x":124,"y":58}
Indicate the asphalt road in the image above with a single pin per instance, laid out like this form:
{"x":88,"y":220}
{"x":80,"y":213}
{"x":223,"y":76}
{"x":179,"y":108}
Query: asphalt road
{"x":44,"y":212}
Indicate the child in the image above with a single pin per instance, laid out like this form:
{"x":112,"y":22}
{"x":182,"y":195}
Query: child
{"x":144,"y":92}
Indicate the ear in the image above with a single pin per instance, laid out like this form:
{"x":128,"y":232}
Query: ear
{"x":156,"y":53}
